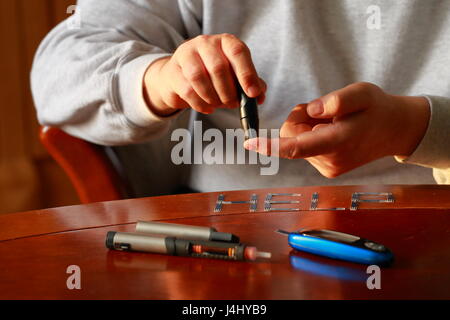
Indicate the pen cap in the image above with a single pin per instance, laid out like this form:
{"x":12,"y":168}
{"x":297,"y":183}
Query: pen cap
{"x":248,"y":115}
{"x":248,"y":108}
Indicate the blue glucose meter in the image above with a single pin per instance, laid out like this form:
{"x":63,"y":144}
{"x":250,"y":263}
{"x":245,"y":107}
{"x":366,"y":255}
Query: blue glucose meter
{"x":338,"y":245}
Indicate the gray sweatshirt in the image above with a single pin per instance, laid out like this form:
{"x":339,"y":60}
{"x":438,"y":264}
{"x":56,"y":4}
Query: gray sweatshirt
{"x":87,"y":79}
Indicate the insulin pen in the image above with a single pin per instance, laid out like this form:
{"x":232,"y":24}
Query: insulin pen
{"x":249,"y":115}
{"x":184,"y":231}
{"x":181,"y":247}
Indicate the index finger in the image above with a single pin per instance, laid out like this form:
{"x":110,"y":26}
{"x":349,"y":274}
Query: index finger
{"x":305,"y":145}
{"x":239,"y":56}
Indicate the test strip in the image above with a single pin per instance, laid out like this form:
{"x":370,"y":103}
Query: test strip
{"x":315,"y":202}
{"x":221,"y":201}
{"x":283,"y":209}
{"x":268,"y":201}
{"x":387,"y":197}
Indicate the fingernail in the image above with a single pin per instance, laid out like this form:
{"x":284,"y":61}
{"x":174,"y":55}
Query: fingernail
{"x":315,"y":108}
{"x":251,"y":144}
{"x":253,"y":91}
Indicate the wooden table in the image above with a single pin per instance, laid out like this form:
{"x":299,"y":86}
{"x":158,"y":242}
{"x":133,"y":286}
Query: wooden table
{"x":37,"y":247}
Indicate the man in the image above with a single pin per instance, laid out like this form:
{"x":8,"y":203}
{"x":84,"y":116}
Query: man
{"x":123,"y":76}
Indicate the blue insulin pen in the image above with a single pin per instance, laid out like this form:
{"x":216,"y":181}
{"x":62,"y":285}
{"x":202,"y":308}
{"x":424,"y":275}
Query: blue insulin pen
{"x":338,"y":245}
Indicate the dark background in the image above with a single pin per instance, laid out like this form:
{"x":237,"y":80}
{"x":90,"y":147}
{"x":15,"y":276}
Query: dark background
{"x":29,"y":178}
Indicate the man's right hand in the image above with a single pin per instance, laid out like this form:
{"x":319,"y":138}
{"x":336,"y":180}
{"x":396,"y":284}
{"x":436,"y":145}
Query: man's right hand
{"x":201,"y":75}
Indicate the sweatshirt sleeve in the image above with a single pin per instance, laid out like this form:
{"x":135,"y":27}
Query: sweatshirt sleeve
{"x":434,"y":149}
{"x":88,"y":78}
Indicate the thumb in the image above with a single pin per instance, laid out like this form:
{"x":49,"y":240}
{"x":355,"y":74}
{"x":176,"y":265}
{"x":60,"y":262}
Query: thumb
{"x":353,"y":98}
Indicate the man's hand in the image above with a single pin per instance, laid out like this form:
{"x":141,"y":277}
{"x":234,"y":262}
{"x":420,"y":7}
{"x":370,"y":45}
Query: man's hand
{"x":202,"y":75}
{"x":349,"y":128}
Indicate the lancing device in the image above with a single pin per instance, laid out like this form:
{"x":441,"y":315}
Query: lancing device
{"x":338,"y":245}
{"x":186,"y":232}
{"x":249,"y":115}
{"x":181,"y":247}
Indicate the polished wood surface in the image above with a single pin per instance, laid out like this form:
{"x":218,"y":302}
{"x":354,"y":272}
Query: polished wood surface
{"x":36,"y":248}
{"x":91,"y":172}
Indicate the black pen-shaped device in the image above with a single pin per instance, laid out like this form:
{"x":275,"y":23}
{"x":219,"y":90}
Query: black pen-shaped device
{"x":181,"y":247}
{"x":248,"y":114}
